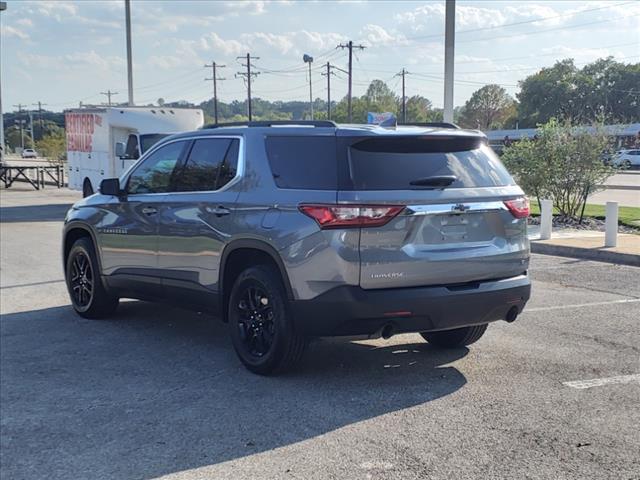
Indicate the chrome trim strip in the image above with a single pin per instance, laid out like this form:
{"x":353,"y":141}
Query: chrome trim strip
{"x":455,"y":208}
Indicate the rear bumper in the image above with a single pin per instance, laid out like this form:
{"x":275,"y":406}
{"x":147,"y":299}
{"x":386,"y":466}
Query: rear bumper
{"x":352,"y":310}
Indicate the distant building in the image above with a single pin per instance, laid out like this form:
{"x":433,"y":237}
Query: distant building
{"x":627,"y":135}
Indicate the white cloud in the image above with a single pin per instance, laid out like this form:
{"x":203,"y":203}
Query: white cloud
{"x":213,"y":42}
{"x":376,"y":35}
{"x":252,"y":7}
{"x":9,"y":31}
{"x":165,"y":61}
{"x":25,"y":22}
{"x":79,"y":61}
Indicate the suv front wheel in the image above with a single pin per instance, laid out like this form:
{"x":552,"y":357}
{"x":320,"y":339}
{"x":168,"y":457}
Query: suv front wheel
{"x":262,"y":329}
{"x":88,"y":296}
{"x":459,"y":337}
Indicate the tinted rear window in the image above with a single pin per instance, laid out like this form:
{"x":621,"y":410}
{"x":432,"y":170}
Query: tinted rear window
{"x":392,"y":163}
{"x":304,"y":162}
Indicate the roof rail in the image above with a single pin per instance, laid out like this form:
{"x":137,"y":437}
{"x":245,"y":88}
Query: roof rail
{"x":275,"y":123}
{"x":432,"y":124}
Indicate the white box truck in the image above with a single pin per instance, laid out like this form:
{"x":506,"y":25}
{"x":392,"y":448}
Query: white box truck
{"x":103,"y":142}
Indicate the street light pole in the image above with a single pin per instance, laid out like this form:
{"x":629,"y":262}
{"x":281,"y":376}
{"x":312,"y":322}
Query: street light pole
{"x":127,"y":8}
{"x":449,"y":53}
{"x":309,"y":59}
{"x":3,"y":7}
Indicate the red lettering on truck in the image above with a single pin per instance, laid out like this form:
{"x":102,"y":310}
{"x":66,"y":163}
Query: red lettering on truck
{"x":80,"y":128}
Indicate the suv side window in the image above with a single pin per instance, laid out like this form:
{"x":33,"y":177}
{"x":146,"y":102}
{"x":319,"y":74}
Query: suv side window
{"x":303,"y":162}
{"x":153,"y":175}
{"x":212,"y":163}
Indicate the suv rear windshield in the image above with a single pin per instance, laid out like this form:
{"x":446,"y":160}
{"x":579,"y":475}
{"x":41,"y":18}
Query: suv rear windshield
{"x":392,"y":163}
{"x":304,"y":162}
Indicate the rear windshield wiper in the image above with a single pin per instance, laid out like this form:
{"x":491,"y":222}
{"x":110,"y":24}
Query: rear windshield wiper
{"x":436,"y":181}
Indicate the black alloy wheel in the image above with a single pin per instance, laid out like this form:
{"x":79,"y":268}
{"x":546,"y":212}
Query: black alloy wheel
{"x":89,"y":297}
{"x":256,"y":325}
{"x":81,"y":280}
{"x":260,"y":322}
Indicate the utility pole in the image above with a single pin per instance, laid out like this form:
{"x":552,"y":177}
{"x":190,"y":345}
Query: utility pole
{"x":328,"y":75}
{"x":449,"y":53}
{"x":109,"y":94}
{"x":402,"y":74}
{"x":127,"y":9}
{"x":20,"y":122}
{"x":33,"y":139}
{"x":213,"y":67}
{"x":40,"y":125}
{"x":350,"y":46}
{"x":247,"y":76}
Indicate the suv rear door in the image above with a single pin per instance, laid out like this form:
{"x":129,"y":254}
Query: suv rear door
{"x":459,"y":233}
{"x":196,"y":218}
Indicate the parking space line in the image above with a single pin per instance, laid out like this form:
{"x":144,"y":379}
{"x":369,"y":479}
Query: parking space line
{"x":580,"y":305}
{"x":598,"y":382}
{"x":31,"y":284}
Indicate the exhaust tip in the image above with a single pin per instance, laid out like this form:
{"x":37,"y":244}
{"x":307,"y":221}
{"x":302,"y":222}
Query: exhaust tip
{"x":512,"y":314}
{"x":387,"y":331}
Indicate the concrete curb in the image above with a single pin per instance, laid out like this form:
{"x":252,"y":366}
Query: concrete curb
{"x":586,"y":253}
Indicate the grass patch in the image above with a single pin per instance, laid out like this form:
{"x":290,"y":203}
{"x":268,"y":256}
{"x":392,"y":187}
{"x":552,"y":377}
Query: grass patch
{"x":629,"y":216}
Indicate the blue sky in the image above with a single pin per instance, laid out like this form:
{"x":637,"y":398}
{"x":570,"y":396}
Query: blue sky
{"x":61,"y":52}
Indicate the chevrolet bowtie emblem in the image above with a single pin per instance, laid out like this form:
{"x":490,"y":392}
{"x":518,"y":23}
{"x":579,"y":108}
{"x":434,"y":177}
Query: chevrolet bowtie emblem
{"x":460,"y":207}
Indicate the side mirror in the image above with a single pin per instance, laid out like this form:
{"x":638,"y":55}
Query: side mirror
{"x":120,"y":147}
{"x":110,"y":186}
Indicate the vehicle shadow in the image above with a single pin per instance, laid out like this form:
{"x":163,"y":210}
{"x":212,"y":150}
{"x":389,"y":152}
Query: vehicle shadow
{"x":158,"y":390}
{"x":34,"y":213}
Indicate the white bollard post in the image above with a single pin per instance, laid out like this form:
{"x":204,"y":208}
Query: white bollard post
{"x":611,"y":225}
{"x":546,"y":219}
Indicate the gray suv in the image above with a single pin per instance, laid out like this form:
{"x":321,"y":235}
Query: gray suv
{"x":295,"y":230}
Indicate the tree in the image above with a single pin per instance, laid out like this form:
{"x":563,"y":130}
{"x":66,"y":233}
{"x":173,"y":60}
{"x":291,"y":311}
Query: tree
{"x":604,"y":89}
{"x":54,"y":147}
{"x":419,"y":109}
{"x":487,"y":108}
{"x":564,"y":163}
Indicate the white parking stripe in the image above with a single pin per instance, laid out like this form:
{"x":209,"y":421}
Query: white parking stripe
{"x":598,"y":382}
{"x":580,"y":305}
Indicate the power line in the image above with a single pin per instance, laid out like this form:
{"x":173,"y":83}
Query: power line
{"x":214,"y":78}
{"x":523,"y":22}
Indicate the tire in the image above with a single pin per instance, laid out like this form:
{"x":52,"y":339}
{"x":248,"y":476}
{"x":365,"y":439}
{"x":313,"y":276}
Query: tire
{"x":87,"y":189}
{"x":260,"y":322}
{"x":88,"y":295}
{"x":460,"y":337}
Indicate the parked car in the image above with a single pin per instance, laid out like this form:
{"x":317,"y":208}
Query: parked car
{"x":297,"y":230}
{"x":29,"y":153}
{"x":626,"y":158}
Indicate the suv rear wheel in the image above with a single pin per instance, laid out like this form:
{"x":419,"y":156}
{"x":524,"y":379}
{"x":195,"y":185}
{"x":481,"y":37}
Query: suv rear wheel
{"x":262,"y":329}
{"x":88,"y":296}
{"x":459,"y":337}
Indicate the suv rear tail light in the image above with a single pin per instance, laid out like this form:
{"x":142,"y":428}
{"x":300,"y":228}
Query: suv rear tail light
{"x":519,"y":207}
{"x":351,"y":216}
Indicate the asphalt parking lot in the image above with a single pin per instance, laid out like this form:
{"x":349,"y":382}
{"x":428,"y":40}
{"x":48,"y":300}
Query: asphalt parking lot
{"x":158,"y":392}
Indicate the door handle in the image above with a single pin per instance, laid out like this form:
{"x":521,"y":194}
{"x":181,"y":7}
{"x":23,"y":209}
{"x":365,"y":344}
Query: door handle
{"x":218,"y":211}
{"x":149,"y":210}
